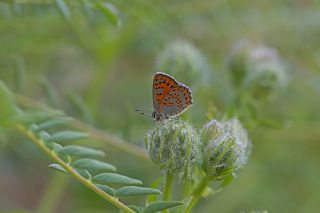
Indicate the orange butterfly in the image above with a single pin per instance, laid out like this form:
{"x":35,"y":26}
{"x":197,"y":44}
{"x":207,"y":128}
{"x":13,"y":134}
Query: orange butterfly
{"x":170,"y":98}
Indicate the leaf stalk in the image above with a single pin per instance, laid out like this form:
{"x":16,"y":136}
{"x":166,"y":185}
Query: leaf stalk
{"x":53,"y":155}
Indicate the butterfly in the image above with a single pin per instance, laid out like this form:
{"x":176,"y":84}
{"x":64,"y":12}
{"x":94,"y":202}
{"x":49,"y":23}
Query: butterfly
{"x":170,"y":97}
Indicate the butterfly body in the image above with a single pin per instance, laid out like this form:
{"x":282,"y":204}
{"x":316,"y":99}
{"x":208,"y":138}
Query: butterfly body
{"x":170,"y":97}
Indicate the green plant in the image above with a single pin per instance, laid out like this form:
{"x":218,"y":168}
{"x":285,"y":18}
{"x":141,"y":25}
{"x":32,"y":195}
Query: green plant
{"x":198,"y":158}
{"x":197,"y":162}
{"x":78,"y":161}
{"x":174,"y":145}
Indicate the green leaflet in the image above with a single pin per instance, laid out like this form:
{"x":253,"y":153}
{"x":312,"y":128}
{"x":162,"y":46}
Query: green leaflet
{"x":20,"y":71}
{"x":92,"y":164}
{"x":113,"y":178}
{"x":68,"y":136}
{"x":53,"y":146}
{"x":57,"y":167}
{"x":57,"y":147}
{"x":50,"y":92}
{"x":137,"y":209}
{"x":81,"y":108}
{"x":109,"y":11}
{"x":7,"y":106}
{"x":109,"y":190}
{"x":80,"y":151}
{"x":56,"y":122}
{"x":161,"y":205}
{"x":64,"y":9}
{"x":84,"y":173}
{"x":39,"y":116}
{"x":135,"y":190}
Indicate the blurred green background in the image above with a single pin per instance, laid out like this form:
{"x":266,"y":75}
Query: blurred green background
{"x":97,"y":65}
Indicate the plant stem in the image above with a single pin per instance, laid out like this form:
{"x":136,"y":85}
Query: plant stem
{"x":197,"y":194}
{"x":168,"y":187}
{"x":70,"y":170}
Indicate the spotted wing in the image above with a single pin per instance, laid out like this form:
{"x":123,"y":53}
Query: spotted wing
{"x":169,"y":96}
{"x":161,"y":86}
{"x":179,"y":99}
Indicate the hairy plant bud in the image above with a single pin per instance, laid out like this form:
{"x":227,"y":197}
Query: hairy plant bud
{"x":225,"y":147}
{"x":173,"y":145}
{"x":258,"y":69}
{"x":182,"y":59}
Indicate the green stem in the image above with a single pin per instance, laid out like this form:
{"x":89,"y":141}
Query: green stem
{"x":53,"y":155}
{"x":168,"y":187}
{"x":197,"y":193}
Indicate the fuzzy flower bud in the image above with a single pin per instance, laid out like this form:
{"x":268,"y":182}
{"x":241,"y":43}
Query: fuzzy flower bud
{"x":173,"y":145}
{"x":258,"y":69}
{"x":225,"y":147}
{"x":182,"y":59}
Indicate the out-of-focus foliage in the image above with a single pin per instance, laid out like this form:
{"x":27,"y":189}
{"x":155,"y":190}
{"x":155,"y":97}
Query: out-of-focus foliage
{"x":103,"y":55}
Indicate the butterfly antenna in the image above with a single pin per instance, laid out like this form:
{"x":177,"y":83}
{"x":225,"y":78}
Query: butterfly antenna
{"x":143,"y":111}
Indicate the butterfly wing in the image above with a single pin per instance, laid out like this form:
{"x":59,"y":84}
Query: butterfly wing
{"x":169,"y":96}
{"x":180,"y":99}
{"x":161,"y":86}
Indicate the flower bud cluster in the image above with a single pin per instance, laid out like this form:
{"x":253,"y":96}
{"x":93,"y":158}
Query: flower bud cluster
{"x":223,"y":147}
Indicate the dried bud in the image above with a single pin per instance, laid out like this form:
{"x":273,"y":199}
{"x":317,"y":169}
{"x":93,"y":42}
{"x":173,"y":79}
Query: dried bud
{"x":182,"y":59}
{"x":258,"y":69}
{"x":225,"y":147}
{"x":174,"y":146}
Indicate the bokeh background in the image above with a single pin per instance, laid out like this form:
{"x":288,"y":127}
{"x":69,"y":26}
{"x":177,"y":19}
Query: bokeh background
{"x":97,"y":63}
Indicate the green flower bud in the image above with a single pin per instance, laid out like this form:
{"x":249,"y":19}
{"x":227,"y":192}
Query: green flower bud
{"x":225,"y":147}
{"x":173,"y":145}
{"x":182,"y":59}
{"x":257,"y":69}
